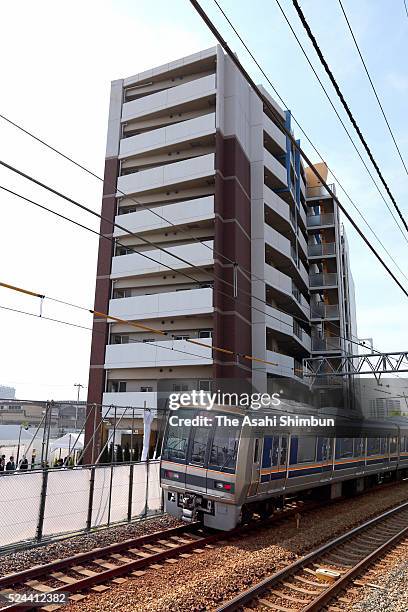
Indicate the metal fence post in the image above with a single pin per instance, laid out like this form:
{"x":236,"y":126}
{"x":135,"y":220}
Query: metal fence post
{"x":41,"y":511}
{"x":147,"y":488}
{"x":90,"y":499}
{"x":130,"y":498}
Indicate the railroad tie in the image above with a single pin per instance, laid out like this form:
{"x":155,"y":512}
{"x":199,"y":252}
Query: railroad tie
{"x":140,"y":553}
{"x":273,"y":606}
{"x":105,"y":564}
{"x":165,"y":543}
{"x":64,"y":578}
{"x":84,"y":571}
{"x":39,"y":586}
{"x":293,"y":587}
{"x":288,"y":597}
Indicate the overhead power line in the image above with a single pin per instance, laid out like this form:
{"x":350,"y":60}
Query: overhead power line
{"x":347,"y":108}
{"x":288,"y":133}
{"x":104,"y":315}
{"x":111,"y":239}
{"x":341,"y":121}
{"x":339,"y":183}
{"x":372,"y":86}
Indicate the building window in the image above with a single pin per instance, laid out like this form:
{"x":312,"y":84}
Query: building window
{"x":205,"y":333}
{"x":118,"y":339}
{"x":122,"y":293}
{"x":118,"y":386}
{"x":204,"y":385}
{"x":179,"y":388}
{"x":146,"y":389}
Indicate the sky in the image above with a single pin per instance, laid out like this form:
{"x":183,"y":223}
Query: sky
{"x":58,"y":61}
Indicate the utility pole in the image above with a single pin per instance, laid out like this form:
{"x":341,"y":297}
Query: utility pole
{"x":77,"y":406}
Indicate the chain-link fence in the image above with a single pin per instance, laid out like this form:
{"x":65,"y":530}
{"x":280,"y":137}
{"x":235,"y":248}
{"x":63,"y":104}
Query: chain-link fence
{"x":39,"y":504}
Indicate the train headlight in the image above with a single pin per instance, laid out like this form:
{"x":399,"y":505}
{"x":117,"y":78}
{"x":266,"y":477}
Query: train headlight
{"x":171,"y":475}
{"x":223,"y":486}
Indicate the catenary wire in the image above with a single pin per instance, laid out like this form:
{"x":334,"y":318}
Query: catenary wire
{"x":373,"y":86}
{"x":110,"y":406}
{"x":337,"y":180}
{"x":271,"y":108}
{"x":124,"y":194}
{"x":340,"y":119}
{"x":347,"y":108}
{"x":110,"y":239}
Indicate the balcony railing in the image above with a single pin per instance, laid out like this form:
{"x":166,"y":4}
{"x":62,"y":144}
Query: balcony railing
{"x":324,"y":311}
{"x":320,"y":191}
{"x":331,"y":343}
{"x":323,"y":219}
{"x":327,"y":279}
{"x":318,"y":250}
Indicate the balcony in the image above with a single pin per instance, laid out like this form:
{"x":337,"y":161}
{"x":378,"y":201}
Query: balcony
{"x":325,"y":219}
{"x":281,"y":365}
{"x":325,"y":279}
{"x":132,"y":399}
{"x":274,"y":132}
{"x":326,"y":344}
{"x":283,"y":284}
{"x":193,"y":90}
{"x":181,"y":213}
{"x":162,"y":353}
{"x":324,"y":311}
{"x":135,"y":264}
{"x":166,"y":136}
{"x":276,"y":169}
{"x":321,"y":250}
{"x":320,"y":192}
{"x":172,"y":304}
{"x":171,"y":174}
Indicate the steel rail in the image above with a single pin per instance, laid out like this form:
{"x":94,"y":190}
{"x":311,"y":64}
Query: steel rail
{"x":288,"y":571}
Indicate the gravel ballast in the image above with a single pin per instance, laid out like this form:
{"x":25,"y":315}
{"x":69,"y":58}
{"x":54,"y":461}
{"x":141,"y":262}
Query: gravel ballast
{"x":24,"y":559}
{"x":202,"y":581}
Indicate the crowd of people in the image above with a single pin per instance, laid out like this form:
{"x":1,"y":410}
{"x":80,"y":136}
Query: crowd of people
{"x":10,"y":465}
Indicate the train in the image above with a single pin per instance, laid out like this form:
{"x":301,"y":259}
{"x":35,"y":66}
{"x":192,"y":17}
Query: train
{"x":222,"y":467}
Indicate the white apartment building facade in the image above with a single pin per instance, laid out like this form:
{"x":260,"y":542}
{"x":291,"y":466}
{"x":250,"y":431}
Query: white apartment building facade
{"x":229,"y":203}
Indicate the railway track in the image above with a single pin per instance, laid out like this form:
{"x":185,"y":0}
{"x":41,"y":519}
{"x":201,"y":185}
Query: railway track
{"x":314,"y":581}
{"x":100,"y":568}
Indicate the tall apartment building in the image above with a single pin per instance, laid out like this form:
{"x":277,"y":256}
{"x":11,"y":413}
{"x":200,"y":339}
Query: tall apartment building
{"x":230,"y":203}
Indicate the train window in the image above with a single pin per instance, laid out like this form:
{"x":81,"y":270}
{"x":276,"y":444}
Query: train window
{"x":270,"y":453}
{"x":256,"y":451}
{"x":344,"y":448}
{"x":224,"y":448}
{"x":306,"y":449}
{"x":404,"y":444}
{"x":393,"y":445}
{"x":359,"y":447}
{"x":373,"y":446}
{"x":175,"y":445}
{"x":199,"y":440}
{"x":384,"y":446}
{"x":324,"y":449}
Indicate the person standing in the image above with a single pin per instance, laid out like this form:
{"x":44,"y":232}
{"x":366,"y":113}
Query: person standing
{"x":24,"y":464}
{"x":11,"y":466}
{"x":2,"y":463}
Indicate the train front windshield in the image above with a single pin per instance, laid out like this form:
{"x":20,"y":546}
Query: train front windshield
{"x":215,"y":446}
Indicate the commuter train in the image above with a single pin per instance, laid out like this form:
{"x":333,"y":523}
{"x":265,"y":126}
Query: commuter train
{"x":228,"y":471}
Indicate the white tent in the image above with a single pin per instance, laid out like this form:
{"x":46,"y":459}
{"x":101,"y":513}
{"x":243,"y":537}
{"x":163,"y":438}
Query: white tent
{"x":68,"y":441}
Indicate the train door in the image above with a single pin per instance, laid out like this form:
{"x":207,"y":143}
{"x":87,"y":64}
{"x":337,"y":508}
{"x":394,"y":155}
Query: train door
{"x":196,"y":468}
{"x":283,"y":456}
{"x":256,"y":468}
